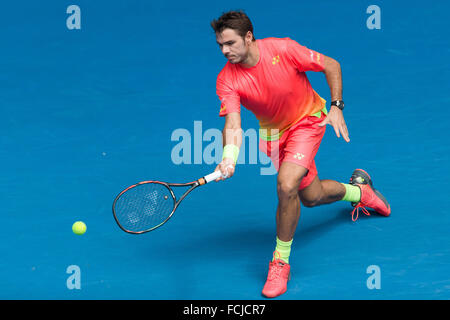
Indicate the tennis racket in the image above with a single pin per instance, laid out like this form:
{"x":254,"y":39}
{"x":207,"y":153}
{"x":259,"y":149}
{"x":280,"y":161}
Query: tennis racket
{"x":147,"y":205}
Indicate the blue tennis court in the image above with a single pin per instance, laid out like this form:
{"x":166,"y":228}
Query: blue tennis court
{"x":87,"y":112}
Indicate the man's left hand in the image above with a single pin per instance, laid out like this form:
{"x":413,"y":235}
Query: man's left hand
{"x":335,"y":118}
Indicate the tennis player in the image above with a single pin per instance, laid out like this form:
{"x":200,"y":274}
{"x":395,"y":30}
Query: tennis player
{"x":267,"y":76}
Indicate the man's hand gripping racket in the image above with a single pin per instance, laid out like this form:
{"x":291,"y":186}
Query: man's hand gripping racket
{"x":227,"y":169}
{"x":147,"y":205}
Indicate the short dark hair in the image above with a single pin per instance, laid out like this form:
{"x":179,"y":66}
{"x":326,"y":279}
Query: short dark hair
{"x":236,"y":20}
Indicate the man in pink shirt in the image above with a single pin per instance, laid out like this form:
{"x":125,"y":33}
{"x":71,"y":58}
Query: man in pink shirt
{"x":267,"y":76}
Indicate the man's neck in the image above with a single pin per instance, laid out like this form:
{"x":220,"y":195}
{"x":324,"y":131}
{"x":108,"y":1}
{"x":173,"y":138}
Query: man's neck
{"x":253,"y":56}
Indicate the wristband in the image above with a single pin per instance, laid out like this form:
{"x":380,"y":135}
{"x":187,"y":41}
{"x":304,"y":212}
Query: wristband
{"x":231,"y":151}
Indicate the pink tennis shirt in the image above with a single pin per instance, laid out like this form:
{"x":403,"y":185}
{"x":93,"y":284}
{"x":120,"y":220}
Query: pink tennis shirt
{"x":276,"y":89}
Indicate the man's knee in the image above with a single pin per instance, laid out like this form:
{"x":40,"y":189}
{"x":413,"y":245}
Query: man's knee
{"x":311,"y":201}
{"x":289,"y":179}
{"x":287,"y":188}
{"x":311,"y":196}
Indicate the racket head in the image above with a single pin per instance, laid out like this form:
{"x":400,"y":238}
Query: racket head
{"x":144,"y":206}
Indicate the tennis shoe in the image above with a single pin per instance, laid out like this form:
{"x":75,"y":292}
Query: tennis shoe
{"x":370,"y":197}
{"x":279,"y":275}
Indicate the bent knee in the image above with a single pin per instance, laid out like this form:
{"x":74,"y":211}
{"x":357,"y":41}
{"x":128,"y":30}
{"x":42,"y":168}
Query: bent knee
{"x":311,"y":202}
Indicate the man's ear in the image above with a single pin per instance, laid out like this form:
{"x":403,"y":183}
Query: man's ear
{"x":248,"y":37}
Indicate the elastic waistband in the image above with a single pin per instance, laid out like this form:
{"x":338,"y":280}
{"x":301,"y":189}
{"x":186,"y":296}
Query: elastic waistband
{"x":275,"y":134}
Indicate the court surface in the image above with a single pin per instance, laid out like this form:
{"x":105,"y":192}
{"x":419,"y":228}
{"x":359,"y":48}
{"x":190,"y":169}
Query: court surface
{"x":85,"y":113}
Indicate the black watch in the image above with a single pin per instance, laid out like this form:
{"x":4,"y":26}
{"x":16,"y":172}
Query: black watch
{"x":338,"y":103}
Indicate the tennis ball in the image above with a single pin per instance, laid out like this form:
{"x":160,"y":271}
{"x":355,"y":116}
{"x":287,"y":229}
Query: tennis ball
{"x":79,"y":227}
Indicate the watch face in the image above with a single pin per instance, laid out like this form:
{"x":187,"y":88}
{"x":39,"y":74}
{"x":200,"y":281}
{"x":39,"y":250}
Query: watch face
{"x":338,"y":103}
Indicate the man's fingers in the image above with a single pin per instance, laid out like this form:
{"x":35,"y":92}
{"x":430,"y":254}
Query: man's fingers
{"x":344,"y":132}
{"x":336,"y":129}
{"x":346,"y":136}
{"x":323,"y":123}
{"x":227,"y":172}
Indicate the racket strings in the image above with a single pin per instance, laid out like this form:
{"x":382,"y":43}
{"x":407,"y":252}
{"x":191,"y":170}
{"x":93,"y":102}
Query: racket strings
{"x":144,"y":207}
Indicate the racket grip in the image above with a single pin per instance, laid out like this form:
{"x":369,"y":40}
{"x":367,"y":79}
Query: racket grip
{"x":213,"y":176}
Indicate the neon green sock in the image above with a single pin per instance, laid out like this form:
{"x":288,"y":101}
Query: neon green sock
{"x":352,"y":193}
{"x":284,"y":249}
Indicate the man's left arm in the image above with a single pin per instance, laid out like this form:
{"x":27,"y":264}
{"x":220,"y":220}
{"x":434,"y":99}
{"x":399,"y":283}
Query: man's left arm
{"x":335,"y":117}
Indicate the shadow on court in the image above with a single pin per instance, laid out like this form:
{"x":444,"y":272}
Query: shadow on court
{"x":255,"y":244}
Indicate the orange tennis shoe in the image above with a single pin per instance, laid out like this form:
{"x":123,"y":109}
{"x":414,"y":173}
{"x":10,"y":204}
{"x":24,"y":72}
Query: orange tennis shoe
{"x":370,"y":197}
{"x":279,"y":275}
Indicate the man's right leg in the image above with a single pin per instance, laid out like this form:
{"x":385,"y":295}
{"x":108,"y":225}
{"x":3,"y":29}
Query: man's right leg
{"x":288,"y":211}
{"x":288,"y":214}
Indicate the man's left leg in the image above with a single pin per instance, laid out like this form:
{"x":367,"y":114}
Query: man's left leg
{"x":359,"y":192}
{"x":322,"y":192}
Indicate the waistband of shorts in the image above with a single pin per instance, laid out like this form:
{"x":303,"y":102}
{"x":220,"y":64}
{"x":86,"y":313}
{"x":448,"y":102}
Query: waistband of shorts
{"x":276,"y":134}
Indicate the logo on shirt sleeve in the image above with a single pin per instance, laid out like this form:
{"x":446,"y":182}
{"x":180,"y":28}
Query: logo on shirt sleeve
{"x":311,"y":53}
{"x":223,"y":108}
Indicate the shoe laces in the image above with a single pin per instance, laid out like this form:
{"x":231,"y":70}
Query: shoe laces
{"x":357,"y":207}
{"x":276,"y":267}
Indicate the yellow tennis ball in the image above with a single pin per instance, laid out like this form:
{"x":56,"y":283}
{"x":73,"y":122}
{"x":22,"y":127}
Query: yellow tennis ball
{"x":79,"y":227}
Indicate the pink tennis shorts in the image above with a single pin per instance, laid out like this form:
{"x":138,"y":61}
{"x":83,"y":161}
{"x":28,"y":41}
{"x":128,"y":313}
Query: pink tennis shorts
{"x":298,"y":144}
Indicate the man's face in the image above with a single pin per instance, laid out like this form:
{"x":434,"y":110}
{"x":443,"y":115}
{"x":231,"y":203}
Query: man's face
{"x":233,"y":46}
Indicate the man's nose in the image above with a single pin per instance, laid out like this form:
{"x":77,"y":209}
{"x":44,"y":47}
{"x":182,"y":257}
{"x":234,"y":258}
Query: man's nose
{"x":225,"y":50}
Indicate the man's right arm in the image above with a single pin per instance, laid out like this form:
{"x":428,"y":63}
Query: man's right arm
{"x":232,"y":132}
{"x":232,"y":140}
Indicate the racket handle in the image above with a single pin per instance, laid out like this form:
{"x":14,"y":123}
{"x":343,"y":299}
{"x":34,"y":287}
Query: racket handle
{"x":213,"y":176}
